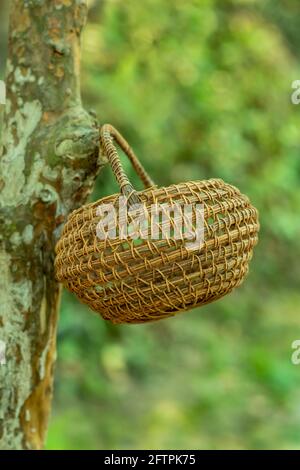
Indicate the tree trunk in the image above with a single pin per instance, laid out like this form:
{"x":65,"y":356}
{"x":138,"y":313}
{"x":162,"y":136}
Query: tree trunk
{"x":48,"y":163}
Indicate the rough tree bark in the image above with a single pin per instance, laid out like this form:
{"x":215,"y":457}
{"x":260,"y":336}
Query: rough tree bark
{"x":48,"y":163}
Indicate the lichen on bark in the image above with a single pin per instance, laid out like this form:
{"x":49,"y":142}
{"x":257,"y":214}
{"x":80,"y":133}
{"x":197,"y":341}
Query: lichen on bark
{"x":48,"y":164}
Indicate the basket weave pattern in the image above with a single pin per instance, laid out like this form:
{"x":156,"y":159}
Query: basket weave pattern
{"x":136,"y":281}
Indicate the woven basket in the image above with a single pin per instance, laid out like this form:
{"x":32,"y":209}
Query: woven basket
{"x":138,"y":280}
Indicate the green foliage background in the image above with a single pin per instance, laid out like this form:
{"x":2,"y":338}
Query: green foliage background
{"x":201,"y":88}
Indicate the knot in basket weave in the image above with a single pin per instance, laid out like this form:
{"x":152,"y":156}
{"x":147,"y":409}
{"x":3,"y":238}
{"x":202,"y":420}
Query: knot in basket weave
{"x":138,"y":280}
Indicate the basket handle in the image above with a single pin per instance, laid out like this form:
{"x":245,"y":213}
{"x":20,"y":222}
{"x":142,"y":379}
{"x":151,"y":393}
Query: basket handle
{"x":108,"y":134}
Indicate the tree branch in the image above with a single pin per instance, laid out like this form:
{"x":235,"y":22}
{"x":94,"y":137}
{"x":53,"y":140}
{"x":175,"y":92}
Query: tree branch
{"x":48,"y":164}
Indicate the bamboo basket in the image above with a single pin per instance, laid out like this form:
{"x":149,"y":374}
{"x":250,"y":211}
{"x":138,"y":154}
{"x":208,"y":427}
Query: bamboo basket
{"x":137,"y":280}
